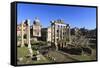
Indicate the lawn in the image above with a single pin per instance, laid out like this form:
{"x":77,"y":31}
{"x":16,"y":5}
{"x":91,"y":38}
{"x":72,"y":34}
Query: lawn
{"x":23,"y":53}
{"x":85,"y":57}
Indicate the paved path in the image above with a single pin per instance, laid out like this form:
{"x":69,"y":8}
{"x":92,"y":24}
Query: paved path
{"x":59,"y":57}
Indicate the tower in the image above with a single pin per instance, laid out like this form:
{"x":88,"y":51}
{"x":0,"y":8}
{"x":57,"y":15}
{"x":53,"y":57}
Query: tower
{"x":36,"y":29}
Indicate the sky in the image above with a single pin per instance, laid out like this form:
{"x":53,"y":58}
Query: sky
{"x":72,"y":15}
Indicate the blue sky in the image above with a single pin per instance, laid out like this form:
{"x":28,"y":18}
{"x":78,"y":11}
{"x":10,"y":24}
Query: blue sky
{"x":74,"y":16}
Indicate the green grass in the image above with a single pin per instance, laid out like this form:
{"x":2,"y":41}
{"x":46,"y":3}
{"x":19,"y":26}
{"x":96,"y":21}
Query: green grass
{"x":22,"y":52}
{"x":83,"y":57}
{"x":42,"y":61}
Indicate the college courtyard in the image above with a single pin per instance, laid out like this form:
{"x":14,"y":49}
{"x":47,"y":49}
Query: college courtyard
{"x":55,"y":44}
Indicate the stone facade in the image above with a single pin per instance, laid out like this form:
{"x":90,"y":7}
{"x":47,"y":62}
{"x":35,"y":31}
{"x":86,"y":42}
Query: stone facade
{"x":60,"y":33}
{"x":49,"y":34}
{"x":46,"y":34}
{"x":19,"y":27}
{"x":36,"y":29}
{"x":22,"y":33}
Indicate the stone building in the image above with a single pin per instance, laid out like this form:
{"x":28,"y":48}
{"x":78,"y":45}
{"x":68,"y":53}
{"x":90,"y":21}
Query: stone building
{"x":60,"y":34}
{"x":19,"y":30}
{"x":24,"y":28}
{"x":22,"y":32}
{"x":36,"y":29}
{"x":46,"y":34}
{"x":74,"y":31}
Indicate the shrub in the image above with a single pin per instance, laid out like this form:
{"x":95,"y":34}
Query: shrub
{"x":87,"y":50}
{"x":74,"y":51}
